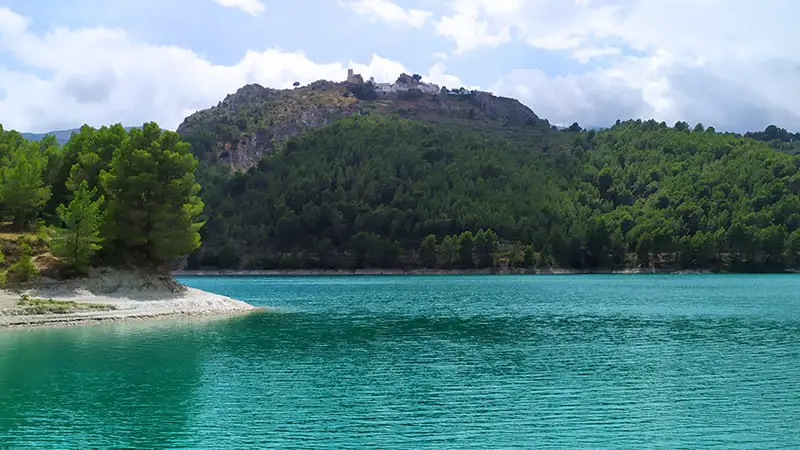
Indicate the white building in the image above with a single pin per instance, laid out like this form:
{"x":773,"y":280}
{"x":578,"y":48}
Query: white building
{"x":388,"y":89}
{"x":428,"y":88}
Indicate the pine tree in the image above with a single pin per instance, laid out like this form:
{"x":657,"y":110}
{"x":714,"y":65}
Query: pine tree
{"x":81,"y":239}
{"x":152,"y":197}
{"x":22,"y":189}
{"x":427,"y":251}
{"x":529,"y":257}
{"x":792,"y":251}
{"x":466,"y":244}
{"x":23,"y":270}
{"x":448,"y":251}
{"x":485,"y":247}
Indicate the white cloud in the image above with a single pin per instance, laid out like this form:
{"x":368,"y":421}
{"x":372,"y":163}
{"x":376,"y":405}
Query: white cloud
{"x":100,"y":76}
{"x":470,"y":33}
{"x":472,"y":24}
{"x":437,"y":74}
{"x":584,"y":55}
{"x":388,"y":12}
{"x":590,"y":99}
{"x":12,"y":23}
{"x":730,"y":64}
{"x":252,"y":7}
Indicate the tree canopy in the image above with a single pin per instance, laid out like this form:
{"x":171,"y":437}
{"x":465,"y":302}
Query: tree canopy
{"x":133,"y":191}
{"x":384,"y":191}
{"x":371,"y":191}
{"x":81,"y":239}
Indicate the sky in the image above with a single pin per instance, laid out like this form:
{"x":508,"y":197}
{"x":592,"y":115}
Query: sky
{"x":731,"y":64}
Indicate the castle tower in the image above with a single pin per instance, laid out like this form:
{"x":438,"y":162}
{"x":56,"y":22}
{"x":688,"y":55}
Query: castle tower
{"x":354,"y":78}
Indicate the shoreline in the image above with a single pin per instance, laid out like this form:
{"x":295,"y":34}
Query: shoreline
{"x":74,"y":320}
{"x":413,"y":272}
{"x":135,"y":296}
{"x":129,"y":296}
{"x":421,"y":272}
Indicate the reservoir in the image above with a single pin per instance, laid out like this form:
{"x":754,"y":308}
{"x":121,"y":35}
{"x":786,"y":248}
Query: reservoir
{"x":591,"y":361}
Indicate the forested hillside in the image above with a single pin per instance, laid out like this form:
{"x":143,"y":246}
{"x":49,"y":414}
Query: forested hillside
{"x":387,"y":192}
{"x":778,"y":138}
{"x":383,"y":191}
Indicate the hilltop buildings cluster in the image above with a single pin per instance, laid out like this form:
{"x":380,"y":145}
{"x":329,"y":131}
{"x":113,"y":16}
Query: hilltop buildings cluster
{"x":405,"y":83}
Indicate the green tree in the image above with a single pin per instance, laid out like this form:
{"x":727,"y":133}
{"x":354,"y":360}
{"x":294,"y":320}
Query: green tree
{"x":22,"y":189}
{"x":363,"y":247}
{"x":448,"y":251}
{"x":229,"y":257}
{"x":588,"y":198}
{"x":792,"y":252}
{"x":605,"y":179}
{"x":23,"y":270}
{"x":466,"y":246}
{"x":427,"y":251}
{"x":389,"y":253}
{"x":545,"y":258}
{"x":152,"y":198}
{"x":529,"y":257}
{"x":78,"y":242}
{"x":516,"y":256}
{"x":485,"y":247}
{"x":574,"y":128}
{"x":94,"y":150}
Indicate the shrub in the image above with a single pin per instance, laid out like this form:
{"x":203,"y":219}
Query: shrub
{"x":365,"y":91}
{"x":49,"y":306}
{"x":23,"y":270}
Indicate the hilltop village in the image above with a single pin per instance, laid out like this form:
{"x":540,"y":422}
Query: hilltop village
{"x":405,"y":85}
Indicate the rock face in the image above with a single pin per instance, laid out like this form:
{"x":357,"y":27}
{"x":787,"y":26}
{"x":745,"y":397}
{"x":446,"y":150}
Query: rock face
{"x":503,"y":108}
{"x":255,"y":121}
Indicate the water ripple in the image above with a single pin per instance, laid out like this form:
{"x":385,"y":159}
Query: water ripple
{"x":436,"y":362}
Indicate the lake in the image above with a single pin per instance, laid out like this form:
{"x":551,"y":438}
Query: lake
{"x":644,"y":361}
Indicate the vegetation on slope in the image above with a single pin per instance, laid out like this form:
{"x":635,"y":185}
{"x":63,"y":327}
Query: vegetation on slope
{"x":114,"y":197}
{"x":38,"y":306}
{"x":778,"y":138}
{"x":339,"y":181}
{"x":370,"y":191}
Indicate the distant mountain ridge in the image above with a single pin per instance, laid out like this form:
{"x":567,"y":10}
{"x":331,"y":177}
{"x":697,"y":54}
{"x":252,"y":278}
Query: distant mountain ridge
{"x":62,"y":136}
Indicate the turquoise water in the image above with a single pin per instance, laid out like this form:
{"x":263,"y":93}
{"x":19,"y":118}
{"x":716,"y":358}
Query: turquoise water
{"x":426,"y":362}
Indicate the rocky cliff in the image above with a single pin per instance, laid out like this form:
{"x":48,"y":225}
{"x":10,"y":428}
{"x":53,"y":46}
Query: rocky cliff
{"x":254,"y":121}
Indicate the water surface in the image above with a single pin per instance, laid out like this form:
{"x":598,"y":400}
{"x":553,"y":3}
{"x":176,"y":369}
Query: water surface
{"x":426,"y":362}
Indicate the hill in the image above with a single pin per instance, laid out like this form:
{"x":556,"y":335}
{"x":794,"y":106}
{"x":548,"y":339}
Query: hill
{"x":256,"y":121}
{"x":62,"y":136}
{"x":409,"y":175}
{"x":397,"y":193}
